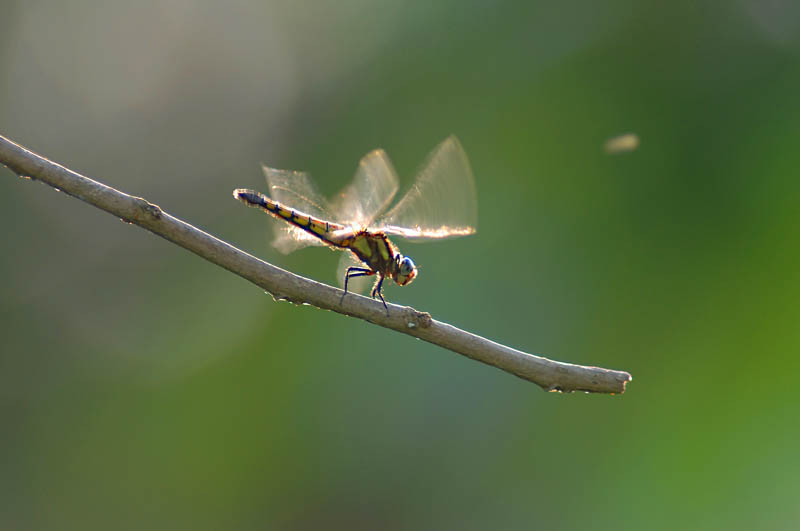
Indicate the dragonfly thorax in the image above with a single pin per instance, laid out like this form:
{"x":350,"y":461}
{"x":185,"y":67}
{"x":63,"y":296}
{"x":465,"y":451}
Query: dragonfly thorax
{"x":404,"y":270}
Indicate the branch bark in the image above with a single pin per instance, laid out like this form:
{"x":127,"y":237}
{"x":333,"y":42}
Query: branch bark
{"x":283,"y":285}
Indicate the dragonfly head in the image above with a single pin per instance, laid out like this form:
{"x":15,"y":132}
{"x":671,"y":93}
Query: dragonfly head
{"x":404,"y":270}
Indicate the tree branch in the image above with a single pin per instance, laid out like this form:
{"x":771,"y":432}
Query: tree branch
{"x":550,"y":375}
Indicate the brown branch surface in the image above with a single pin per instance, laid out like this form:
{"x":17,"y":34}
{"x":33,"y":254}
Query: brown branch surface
{"x":550,"y":375}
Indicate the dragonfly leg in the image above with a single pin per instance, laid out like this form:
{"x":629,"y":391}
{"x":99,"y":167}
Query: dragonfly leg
{"x":377,"y":291}
{"x":354,"y":271}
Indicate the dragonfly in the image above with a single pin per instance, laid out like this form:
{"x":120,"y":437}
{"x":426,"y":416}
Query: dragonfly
{"x":441,"y":203}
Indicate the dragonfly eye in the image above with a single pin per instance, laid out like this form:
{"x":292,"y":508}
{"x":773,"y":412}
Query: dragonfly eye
{"x":406,"y":270}
{"x":407,"y":265}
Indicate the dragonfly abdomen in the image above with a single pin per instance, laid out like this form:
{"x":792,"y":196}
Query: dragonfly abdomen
{"x":316,"y":227}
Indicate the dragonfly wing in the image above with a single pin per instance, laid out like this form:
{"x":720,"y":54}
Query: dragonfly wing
{"x":355,"y":284}
{"x":371,"y":191}
{"x":441,"y":203}
{"x":294,"y":189}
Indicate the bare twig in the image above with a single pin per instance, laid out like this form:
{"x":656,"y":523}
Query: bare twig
{"x":551,"y":375}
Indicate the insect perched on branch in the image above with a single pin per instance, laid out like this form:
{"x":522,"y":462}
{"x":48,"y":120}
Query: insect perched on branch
{"x":440,"y":204}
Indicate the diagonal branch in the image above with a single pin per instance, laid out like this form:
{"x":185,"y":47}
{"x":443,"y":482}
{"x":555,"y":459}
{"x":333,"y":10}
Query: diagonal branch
{"x":283,"y":285}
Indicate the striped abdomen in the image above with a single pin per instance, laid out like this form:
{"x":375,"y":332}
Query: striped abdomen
{"x":316,"y":227}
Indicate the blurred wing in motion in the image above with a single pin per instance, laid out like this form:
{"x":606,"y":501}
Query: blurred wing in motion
{"x":372,"y":189}
{"x":294,"y":189}
{"x":441,"y":203}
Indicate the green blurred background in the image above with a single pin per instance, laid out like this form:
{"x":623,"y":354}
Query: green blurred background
{"x":141,"y":387}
